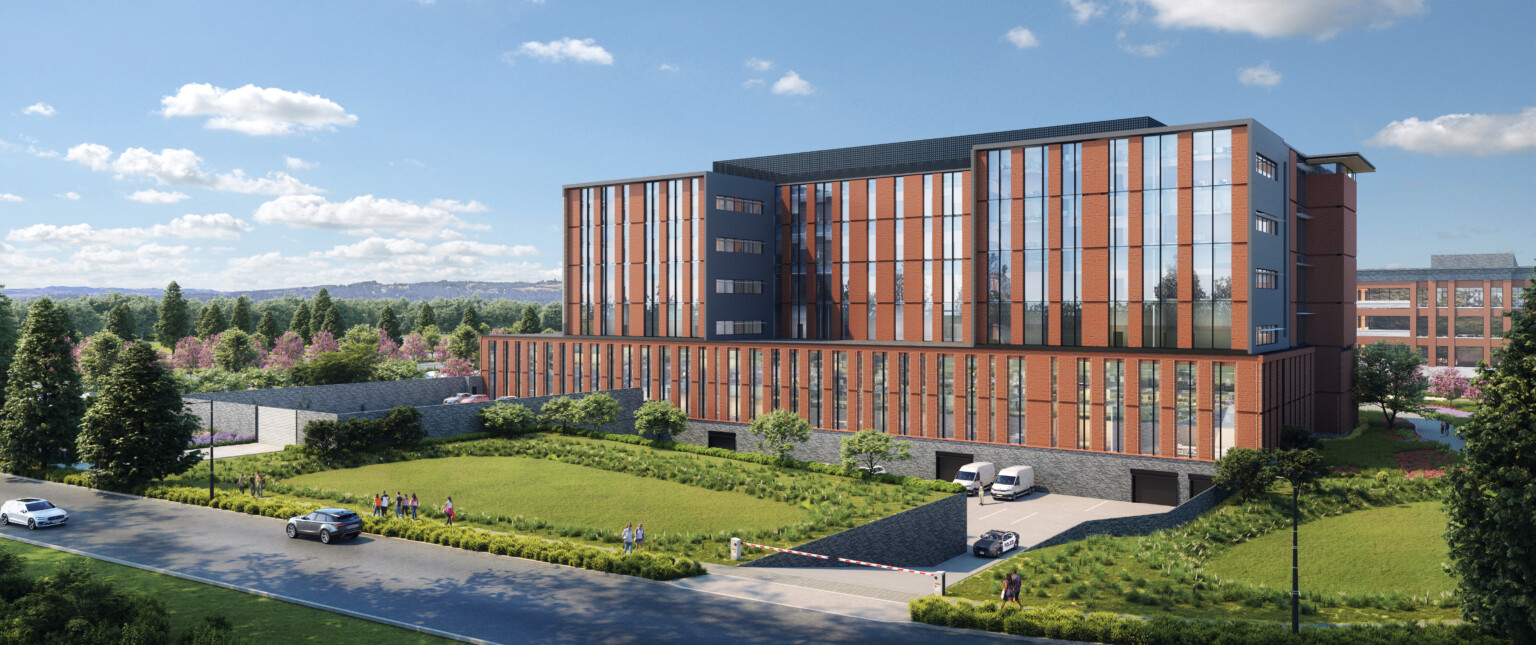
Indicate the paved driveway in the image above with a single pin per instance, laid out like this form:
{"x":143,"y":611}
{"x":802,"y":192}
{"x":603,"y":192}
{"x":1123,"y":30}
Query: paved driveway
{"x":494,"y":598}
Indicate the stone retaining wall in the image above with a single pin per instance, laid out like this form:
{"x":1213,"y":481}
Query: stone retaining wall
{"x":1141,"y":524}
{"x":350,"y":397}
{"x":925,"y":536}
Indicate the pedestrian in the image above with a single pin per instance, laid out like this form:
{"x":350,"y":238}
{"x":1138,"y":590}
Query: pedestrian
{"x":640,"y":536}
{"x":257,"y":483}
{"x":448,"y":510}
{"x":414,"y":503}
{"x":240,"y":483}
{"x":1445,"y":428}
{"x":629,"y":538}
{"x":399,"y":505}
{"x":384,"y":507}
{"x":1011,"y":585}
{"x":375,"y":504}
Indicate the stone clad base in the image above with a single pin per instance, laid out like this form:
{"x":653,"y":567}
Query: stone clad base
{"x":925,"y":536}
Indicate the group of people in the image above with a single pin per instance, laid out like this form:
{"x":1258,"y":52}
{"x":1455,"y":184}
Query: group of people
{"x":633,"y":537}
{"x":381,"y":504}
{"x":255,"y":484}
{"x":1445,"y":428}
{"x":1011,"y":585}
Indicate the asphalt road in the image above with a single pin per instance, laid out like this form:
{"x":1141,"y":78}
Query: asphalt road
{"x":494,"y":598}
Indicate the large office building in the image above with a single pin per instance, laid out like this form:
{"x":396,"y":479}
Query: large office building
{"x":1117,"y":303}
{"x":1452,"y":312}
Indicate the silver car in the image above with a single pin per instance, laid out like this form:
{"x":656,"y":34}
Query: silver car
{"x":329,"y":524}
{"x":33,"y":512}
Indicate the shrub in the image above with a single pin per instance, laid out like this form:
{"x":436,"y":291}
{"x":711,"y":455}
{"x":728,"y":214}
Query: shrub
{"x":327,"y":440}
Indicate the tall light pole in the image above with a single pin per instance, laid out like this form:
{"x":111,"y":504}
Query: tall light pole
{"x":1295,"y":561}
{"x":210,"y":451}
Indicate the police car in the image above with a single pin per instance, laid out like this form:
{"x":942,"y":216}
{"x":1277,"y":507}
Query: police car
{"x":995,"y":543}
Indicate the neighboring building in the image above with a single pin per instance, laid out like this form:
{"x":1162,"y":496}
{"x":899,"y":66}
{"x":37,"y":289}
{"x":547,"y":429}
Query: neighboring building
{"x":1117,"y":302}
{"x":1452,"y":312}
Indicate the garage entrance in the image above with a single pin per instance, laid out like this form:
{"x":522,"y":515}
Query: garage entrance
{"x":1198,"y":484}
{"x":721,"y":439}
{"x":1154,"y":487}
{"x":947,"y":464}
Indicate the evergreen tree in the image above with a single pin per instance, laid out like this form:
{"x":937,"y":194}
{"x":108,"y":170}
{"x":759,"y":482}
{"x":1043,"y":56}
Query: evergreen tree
{"x":300,"y":323}
{"x":471,"y":317}
{"x":267,"y":328}
{"x":121,"y":323}
{"x":137,"y":430}
{"x":317,"y":311}
{"x":42,"y":403}
{"x":99,"y":357}
{"x":240,"y":317}
{"x":551,"y":317}
{"x":8,"y":337}
{"x":425,"y":318}
{"x":173,"y":323}
{"x":388,"y":323}
{"x":1491,"y":502}
{"x":529,"y":324}
{"x":332,"y":323}
{"x":211,"y":321}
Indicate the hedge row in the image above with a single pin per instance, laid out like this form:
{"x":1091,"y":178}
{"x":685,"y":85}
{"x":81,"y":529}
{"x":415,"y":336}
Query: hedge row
{"x":1101,"y":627}
{"x":644,"y":565}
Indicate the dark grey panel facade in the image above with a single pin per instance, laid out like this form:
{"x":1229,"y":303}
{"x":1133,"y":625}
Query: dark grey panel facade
{"x":1265,"y":251}
{"x":738,"y":266}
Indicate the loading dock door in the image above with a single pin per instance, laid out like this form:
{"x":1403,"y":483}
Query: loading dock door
{"x":947,"y":464}
{"x":718,"y":439}
{"x":1198,"y":484}
{"x":1154,"y":487}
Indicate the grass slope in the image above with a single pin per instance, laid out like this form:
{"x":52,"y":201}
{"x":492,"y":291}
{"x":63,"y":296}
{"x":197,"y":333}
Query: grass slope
{"x":550,"y":489}
{"x":1398,"y":548}
{"x":1371,"y":446}
{"x":255,"y":619}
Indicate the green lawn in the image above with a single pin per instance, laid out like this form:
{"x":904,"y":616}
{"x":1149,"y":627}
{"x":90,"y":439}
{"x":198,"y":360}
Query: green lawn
{"x":1370,"y":446}
{"x":255,"y":619}
{"x":553,"y":490}
{"x":1398,"y":548}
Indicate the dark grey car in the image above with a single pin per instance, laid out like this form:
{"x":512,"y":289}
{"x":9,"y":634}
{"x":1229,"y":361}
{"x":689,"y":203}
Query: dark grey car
{"x":328,"y":523}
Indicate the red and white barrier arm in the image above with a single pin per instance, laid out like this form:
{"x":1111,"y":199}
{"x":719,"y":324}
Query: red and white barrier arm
{"x":825,"y":557}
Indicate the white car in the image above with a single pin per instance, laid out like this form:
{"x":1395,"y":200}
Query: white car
{"x":32,"y":512}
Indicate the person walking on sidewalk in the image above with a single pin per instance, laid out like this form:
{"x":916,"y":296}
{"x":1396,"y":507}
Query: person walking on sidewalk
{"x":399,"y":505}
{"x":629,"y":538}
{"x":640,"y":536}
{"x":448,"y":510}
{"x":257,"y":483}
{"x":240,"y":483}
{"x":414,"y":503}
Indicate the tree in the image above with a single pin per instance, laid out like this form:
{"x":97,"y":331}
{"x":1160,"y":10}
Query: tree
{"x":1491,"y":503}
{"x":235,"y":351}
{"x":300,"y":323}
{"x":529,"y":323}
{"x":350,"y":364}
{"x":560,"y":410}
{"x":1300,"y":468}
{"x":425,"y":318}
{"x":121,"y":323}
{"x":173,"y":323}
{"x":465,"y":343}
{"x":98,"y":358}
{"x":42,"y":401}
{"x":267,"y":328}
{"x":332,"y":323}
{"x":240,"y":316}
{"x":402,"y":426}
{"x":75,"y":605}
{"x":1244,"y":470}
{"x":551,"y":316}
{"x":388,"y":323}
{"x":870,"y":448}
{"x":779,"y":431}
{"x":137,"y":429}
{"x":321,"y":305}
{"x":471,"y":317}
{"x":659,"y":420}
{"x":1387,"y":375}
{"x":211,"y":321}
{"x":597,"y":410}
{"x":8,"y":338}
{"x":507,"y":418}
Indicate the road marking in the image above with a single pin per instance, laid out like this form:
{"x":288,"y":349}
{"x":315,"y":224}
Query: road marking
{"x":1002,"y":511}
{"x":1025,"y":517}
{"x":1095,"y":506}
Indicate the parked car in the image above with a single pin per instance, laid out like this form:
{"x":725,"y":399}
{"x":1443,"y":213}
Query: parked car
{"x":478,"y":398}
{"x":995,"y":543}
{"x":976,"y":477}
{"x":1013,"y":482}
{"x":877,"y":470}
{"x":33,"y":512}
{"x":329,"y":523}
{"x":502,"y":399}
{"x":457,"y":398}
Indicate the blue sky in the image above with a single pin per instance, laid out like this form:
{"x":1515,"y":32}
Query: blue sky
{"x":253,"y":145}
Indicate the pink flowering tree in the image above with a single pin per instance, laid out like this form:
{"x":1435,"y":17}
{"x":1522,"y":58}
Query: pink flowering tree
{"x":192,"y":353}
{"x":442,"y":352}
{"x":1448,"y":383}
{"x":413,"y":347}
{"x":320,"y":343}
{"x":286,"y":352}
{"x":388,"y":348}
{"x":458,"y":367}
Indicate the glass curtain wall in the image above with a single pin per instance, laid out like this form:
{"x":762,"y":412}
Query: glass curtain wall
{"x":1016,"y":400}
{"x":586,"y":205}
{"x":1160,"y":241}
{"x":844,"y":258}
{"x":1114,"y":405}
{"x":1223,"y":408}
{"x":824,"y":215}
{"x":1148,"y":409}
{"x":1071,"y":243}
{"x":610,"y":245}
{"x":1037,"y":264}
{"x":1213,"y":239}
{"x":870,"y":245}
{"x":901,"y":255}
{"x":797,"y":262}
{"x":675,"y":258}
{"x":953,"y":203}
{"x":696,"y":311}
{"x":1184,"y":414}
{"x":1119,"y":241}
{"x":628,"y":260}
{"x":928,"y":255}
{"x":652,"y":251}
{"x":999,"y":245}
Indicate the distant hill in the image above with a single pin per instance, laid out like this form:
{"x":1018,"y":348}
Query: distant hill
{"x":540,"y":292}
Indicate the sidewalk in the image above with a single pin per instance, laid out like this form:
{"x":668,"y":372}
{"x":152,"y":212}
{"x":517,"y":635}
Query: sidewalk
{"x":1429,"y":430}
{"x":770,"y":586}
{"x":239,"y":450}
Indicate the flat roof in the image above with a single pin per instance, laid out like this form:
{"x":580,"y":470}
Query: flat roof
{"x":1354,"y":161}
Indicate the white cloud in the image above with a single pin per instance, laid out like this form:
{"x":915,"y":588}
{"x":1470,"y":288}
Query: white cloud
{"x":1145,"y":50}
{"x":157,"y":197}
{"x":182,"y":167}
{"x":456,"y":206}
{"x":792,"y":85}
{"x":1463,"y":134}
{"x":752,"y":82}
{"x":556,"y":51}
{"x":40,"y":109}
{"x":1275,"y":18}
{"x":216,"y":226}
{"x":8,"y":197}
{"x":1022,"y":38}
{"x":364,"y":216}
{"x":1085,"y":10}
{"x":1261,"y":75}
{"x":295,"y":163}
{"x":668,"y":67}
{"x":71,"y":196}
{"x":375,"y":248}
{"x":256,"y":110}
{"x":758,"y":65}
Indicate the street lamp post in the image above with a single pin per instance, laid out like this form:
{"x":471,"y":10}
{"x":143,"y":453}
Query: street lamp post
{"x":1295,"y":562}
{"x":210,"y":451}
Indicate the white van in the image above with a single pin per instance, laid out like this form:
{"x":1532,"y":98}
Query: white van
{"x":976,"y":477}
{"x":1013,"y":482}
